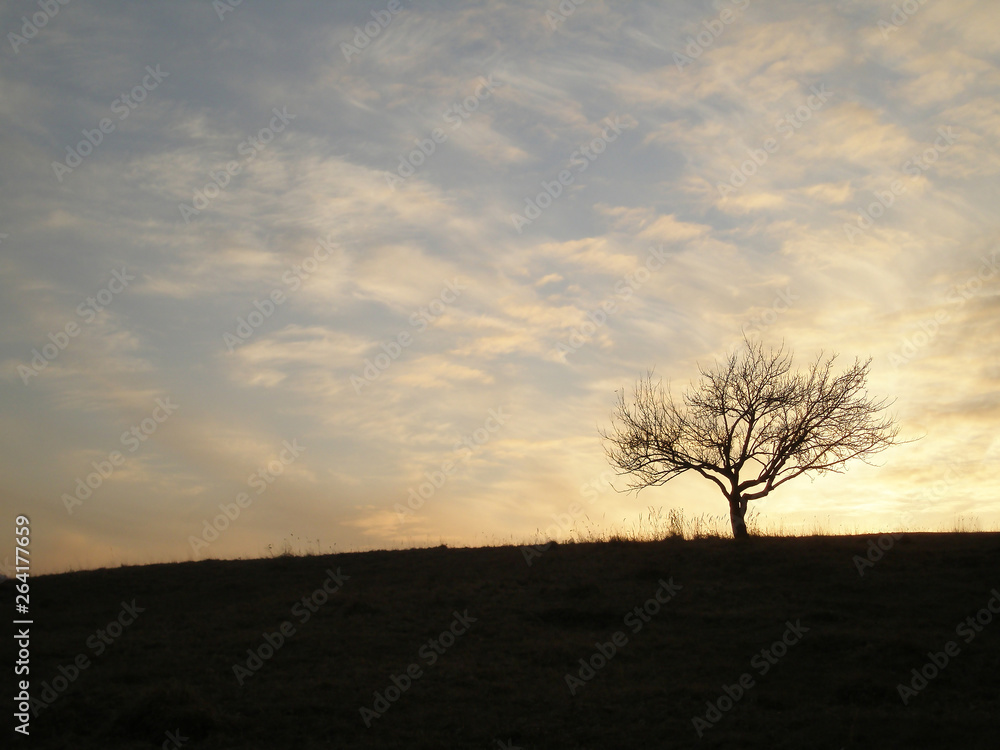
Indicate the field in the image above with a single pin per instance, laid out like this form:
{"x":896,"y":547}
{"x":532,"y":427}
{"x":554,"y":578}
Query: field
{"x":777,"y":643}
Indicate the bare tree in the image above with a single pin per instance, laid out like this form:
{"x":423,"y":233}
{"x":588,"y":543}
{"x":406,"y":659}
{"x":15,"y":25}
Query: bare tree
{"x":750,"y":426}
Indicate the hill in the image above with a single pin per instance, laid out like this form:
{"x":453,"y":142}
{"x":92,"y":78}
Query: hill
{"x":778,"y":643}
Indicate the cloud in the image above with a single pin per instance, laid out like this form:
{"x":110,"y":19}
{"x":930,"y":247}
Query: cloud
{"x":753,"y":172}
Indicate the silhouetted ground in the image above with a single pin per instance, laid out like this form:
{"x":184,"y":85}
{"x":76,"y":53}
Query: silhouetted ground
{"x":502,"y":682}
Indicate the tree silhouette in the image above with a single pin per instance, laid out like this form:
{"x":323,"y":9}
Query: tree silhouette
{"x":749,"y":426}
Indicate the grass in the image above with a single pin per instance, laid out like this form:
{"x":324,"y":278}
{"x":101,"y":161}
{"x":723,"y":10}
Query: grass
{"x":503,"y":680}
{"x":653,"y":524}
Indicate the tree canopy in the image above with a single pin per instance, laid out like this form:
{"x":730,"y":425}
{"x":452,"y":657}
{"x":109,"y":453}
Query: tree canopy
{"x":750,"y":425}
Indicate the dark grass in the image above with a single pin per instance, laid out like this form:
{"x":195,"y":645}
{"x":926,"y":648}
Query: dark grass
{"x":504,"y":679}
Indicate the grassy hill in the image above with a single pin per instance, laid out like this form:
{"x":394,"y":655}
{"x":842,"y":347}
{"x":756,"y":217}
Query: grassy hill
{"x":471,"y":648}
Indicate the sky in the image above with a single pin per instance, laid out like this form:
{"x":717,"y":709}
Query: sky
{"x":346,"y":276}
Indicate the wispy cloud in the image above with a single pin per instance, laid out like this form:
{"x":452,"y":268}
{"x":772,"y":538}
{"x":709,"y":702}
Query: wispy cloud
{"x":755,"y":152}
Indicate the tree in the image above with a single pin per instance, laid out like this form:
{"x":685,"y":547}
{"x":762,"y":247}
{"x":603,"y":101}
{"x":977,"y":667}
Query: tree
{"x":749,"y":426}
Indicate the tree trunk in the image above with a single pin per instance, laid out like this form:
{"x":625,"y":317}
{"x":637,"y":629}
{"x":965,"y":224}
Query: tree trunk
{"x":737,"y":514}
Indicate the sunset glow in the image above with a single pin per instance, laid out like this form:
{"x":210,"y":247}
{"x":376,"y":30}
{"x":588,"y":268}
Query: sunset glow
{"x":353,"y":276}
